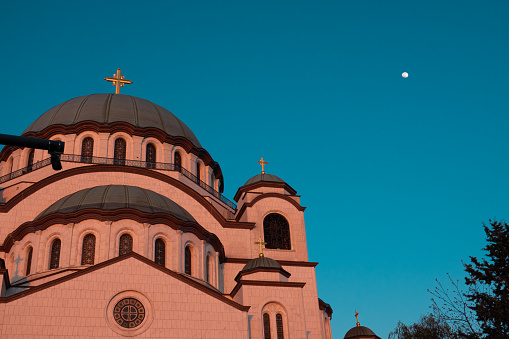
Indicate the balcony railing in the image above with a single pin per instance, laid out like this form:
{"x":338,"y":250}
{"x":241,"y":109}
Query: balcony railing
{"x":123,"y":162}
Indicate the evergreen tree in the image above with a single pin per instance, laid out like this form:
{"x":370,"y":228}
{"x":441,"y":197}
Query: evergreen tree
{"x":488,"y":282}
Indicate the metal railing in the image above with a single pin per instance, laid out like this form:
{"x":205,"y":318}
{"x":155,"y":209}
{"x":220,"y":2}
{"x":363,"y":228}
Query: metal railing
{"x":123,"y":162}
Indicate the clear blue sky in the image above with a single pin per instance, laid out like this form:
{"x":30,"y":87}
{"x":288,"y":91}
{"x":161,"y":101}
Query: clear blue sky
{"x":397,"y":174}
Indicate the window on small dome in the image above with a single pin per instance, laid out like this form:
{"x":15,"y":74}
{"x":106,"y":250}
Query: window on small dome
{"x":150,"y":156}
{"x":178,"y":162}
{"x":187,"y":260}
{"x":30,"y":161}
{"x":159,"y":252}
{"x":88,"y":250}
{"x":120,"y":152}
{"x":87,"y":149}
{"x":125,"y":244}
{"x":29,"y":261}
{"x":266,"y":326}
{"x":276,"y":232}
{"x":55,"y":254}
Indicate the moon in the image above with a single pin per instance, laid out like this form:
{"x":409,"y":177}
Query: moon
{"x":404,"y":75}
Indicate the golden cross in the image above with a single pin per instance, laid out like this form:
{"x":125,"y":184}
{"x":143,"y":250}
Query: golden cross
{"x":262,"y":245}
{"x":357,"y":316}
{"x":263,"y":163}
{"x":118,"y":81}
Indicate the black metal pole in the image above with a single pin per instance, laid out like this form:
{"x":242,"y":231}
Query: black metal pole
{"x":49,"y":145}
{"x":54,"y":147}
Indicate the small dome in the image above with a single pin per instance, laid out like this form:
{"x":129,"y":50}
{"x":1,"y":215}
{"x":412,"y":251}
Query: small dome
{"x":263,"y":177}
{"x":112,"y":197}
{"x":261,"y":262}
{"x":360,"y":332}
{"x":110,"y":108}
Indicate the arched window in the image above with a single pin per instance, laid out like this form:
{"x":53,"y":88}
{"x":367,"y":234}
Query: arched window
{"x":207,"y":269}
{"x":178,"y":162}
{"x":198,"y":173}
{"x":221,"y":185}
{"x":125,"y":244}
{"x":87,"y":149}
{"x":30,"y":161}
{"x":187,"y":260}
{"x":55,"y":254}
{"x":150,"y":157}
{"x":276,"y":232}
{"x":88,"y":250}
{"x":266,"y":326}
{"x":279,"y":326}
{"x":160,"y":251}
{"x":120,"y":151}
{"x":8,"y":166}
{"x":29,"y":261}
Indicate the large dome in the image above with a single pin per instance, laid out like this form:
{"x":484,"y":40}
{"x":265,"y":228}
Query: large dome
{"x":114,"y":197}
{"x":110,"y":108}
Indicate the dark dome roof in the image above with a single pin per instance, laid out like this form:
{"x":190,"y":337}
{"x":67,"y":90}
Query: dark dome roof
{"x":261,"y":262}
{"x":112,"y":197}
{"x":360,"y":332}
{"x":109,"y":108}
{"x":263,"y":177}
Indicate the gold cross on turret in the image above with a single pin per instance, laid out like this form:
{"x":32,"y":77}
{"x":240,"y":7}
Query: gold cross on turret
{"x":118,"y":81}
{"x":357,"y":316}
{"x":263,"y":163}
{"x":262,"y":245}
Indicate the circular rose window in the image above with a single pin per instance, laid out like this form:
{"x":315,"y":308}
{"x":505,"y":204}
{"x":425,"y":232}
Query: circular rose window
{"x":129,"y":313}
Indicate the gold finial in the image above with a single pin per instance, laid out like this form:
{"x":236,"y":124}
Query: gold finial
{"x":262,"y":245}
{"x":118,"y":81}
{"x":357,"y":316}
{"x":263,"y":163}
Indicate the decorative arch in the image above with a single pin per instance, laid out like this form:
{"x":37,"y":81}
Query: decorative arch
{"x":275,"y":322}
{"x":276,"y":231}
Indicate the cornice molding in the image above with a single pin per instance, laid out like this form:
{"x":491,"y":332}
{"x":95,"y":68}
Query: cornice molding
{"x":325,"y":307}
{"x":120,"y":126}
{"x":264,"y":196}
{"x":282,"y":271}
{"x":259,"y":184}
{"x":244,"y":261}
{"x":266,"y":284}
{"x":125,"y":169}
{"x":114,"y":215}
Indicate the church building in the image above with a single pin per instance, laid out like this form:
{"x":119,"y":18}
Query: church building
{"x":134,"y":238}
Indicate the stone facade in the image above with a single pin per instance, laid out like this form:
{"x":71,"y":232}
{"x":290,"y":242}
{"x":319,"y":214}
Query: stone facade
{"x":64,"y":273}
